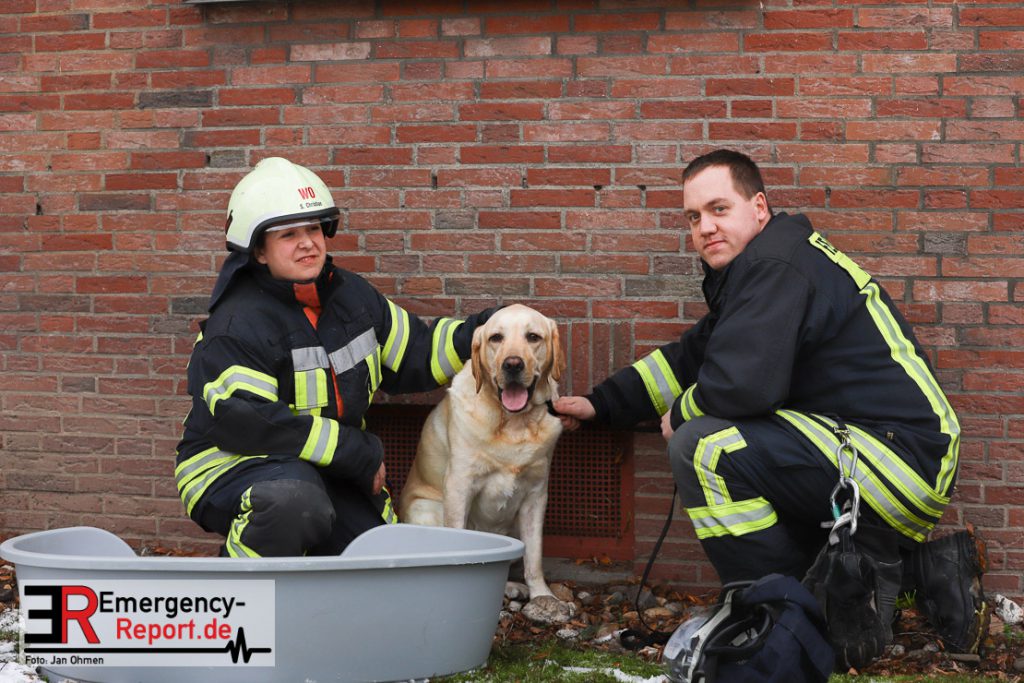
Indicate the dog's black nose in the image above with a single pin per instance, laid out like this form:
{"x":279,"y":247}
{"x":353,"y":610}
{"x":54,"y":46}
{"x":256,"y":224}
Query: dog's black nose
{"x":512,"y":364}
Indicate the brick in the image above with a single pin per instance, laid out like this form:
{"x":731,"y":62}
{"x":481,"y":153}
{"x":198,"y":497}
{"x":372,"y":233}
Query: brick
{"x":256,"y":96}
{"x":858,"y":41}
{"x":752,"y":131}
{"x":620,"y":67}
{"x":977,"y":153}
{"x":114,"y":202}
{"x":617,"y":21}
{"x":416,"y":49}
{"x":526,"y":24}
{"x":751,"y":87}
{"x":815,"y":18}
{"x":505,"y":90}
{"x":991,"y":17}
{"x":566,"y":132}
{"x":568,"y":176}
{"x":501,"y":154}
{"x":510,"y":263}
{"x":575,"y":154}
{"x":699,"y":42}
{"x":529,"y":68}
{"x":565,"y":198}
{"x":522,"y":220}
{"x":502,"y":111}
{"x":62,"y":22}
{"x":600,"y":264}
{"x":508,"y":47}
{"x":779,"y":41}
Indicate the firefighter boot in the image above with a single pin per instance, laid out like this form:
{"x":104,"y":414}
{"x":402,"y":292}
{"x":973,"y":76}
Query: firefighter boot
{"x":947,"y":574}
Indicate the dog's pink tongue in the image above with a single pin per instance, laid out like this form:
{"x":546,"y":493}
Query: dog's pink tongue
{"x":514,"y":397}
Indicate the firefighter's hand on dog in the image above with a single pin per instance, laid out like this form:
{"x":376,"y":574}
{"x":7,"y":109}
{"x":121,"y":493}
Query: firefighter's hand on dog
{"x":572,"y":409}
{"x":379,"y":480}
{"x":666,"y":425}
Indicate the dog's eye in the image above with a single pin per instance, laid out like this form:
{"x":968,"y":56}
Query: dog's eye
{"x":533,"y":337}
{"x":496,"y":338}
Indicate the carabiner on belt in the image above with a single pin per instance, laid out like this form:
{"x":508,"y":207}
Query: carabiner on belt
{"x":850,"y":511}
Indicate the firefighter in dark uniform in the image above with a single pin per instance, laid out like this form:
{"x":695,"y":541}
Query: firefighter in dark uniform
{"x":800,"y":348}
{"x":275,"y":456}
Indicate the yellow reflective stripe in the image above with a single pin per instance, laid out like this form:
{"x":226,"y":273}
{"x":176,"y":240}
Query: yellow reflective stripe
{"x":238,"y":378}
{"x":705,"y":461}
{"x":732,"y":519}
{"x":321,"y":442}
{"x":659,"y":380}
{"x":444,"y":361}
{"x":840,"y":259}
{"x":398,"y":337}
{"x":902,"y":351}
{"x":310,"y":364}
{"x":233,"y":543}
{"x":388,"y":513}
{"x":872,"y":489}
{"x":194,"y":475}
{"x":906,"y":480}
{"x":199,"y":338}
{"x":688,"y":405}
{"x":373,"y":363}
{"x":310,"y":391}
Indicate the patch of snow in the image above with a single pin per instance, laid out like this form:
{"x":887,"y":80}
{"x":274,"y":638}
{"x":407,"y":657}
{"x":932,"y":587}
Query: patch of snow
{"x":616,"y":674}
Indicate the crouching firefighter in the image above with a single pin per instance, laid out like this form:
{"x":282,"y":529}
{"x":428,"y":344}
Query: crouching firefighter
{"x":802,"y":362}
{"x":274,"y":455}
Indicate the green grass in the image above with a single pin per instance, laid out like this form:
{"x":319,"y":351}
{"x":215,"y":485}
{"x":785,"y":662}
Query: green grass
{"x":548,"y":661}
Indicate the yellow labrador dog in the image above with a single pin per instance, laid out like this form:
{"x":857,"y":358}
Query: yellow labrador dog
{"x":485,"y":451}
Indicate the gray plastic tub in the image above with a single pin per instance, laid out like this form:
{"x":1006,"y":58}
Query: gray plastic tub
{"x":402,"y":602}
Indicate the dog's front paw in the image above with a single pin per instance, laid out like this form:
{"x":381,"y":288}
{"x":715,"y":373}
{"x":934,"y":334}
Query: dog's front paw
{"x":547,"y":609}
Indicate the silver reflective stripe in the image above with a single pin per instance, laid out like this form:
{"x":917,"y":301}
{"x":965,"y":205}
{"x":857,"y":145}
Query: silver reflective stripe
{"x":400,"y":329}
{"x":903,"y":352}
{"x":226,"y":386}
{"x":441,"y":352}
{"x":749,"y":516}
{"x":309,"y":358}
{"x":709,"y":450}
{"x":908,"y":483}
{"x":353,"y":353}
{"x":878,"y":496}
{"x":667,"y":396}
{"x":318,"y":456}
{"x":896,"y":471}
{"x":195,"y":465}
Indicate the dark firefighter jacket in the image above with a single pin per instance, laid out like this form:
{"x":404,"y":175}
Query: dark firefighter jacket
{"x":266,"y":383}
{"x":794,"y":325}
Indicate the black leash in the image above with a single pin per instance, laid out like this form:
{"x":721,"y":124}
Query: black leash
{"x":635,"y":639}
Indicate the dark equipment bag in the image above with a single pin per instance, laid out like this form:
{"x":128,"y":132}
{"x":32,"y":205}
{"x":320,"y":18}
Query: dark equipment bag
{"x":773,"y":630}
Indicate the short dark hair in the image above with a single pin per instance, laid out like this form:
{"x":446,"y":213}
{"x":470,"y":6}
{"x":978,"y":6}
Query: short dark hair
{"x":746,"y":176}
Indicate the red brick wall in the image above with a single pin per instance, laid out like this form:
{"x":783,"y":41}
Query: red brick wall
{"x":528,"y":151}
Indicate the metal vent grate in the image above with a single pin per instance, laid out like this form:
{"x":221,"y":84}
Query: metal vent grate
{"x":590,"y":494}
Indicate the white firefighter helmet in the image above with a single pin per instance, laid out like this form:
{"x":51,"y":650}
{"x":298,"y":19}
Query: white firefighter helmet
{"x":277,"y":191}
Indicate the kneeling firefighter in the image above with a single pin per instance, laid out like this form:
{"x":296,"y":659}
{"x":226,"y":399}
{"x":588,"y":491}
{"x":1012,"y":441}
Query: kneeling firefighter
{"x":274,"y":455}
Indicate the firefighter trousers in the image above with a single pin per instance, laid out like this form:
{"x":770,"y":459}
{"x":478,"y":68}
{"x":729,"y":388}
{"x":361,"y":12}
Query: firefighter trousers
{"x":757,"y":493}
{"x":282,"y":508}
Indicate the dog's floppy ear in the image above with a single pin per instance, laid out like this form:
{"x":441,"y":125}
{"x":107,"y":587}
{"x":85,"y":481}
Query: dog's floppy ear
{"x":477,"y":357}
{"x":558,"y":362}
